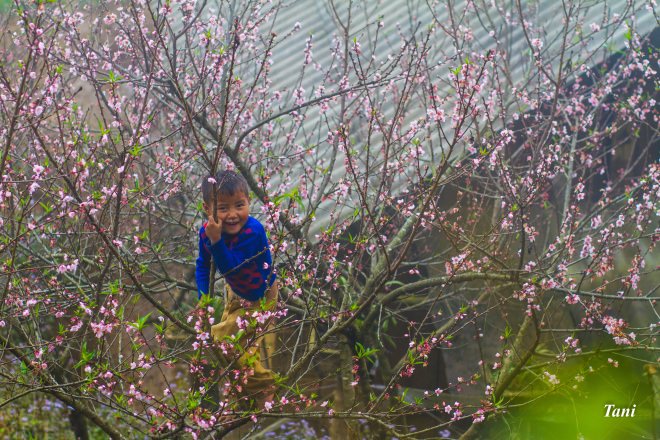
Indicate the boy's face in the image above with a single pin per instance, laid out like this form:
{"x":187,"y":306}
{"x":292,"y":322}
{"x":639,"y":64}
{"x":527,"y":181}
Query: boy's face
{"x":233,"y":211}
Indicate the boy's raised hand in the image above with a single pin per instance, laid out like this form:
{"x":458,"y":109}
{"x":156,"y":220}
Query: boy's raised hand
{"x":213,"y":229}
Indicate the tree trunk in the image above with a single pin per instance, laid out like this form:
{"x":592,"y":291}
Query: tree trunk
{"x":78,"y":425}
{"x":344,"y":394}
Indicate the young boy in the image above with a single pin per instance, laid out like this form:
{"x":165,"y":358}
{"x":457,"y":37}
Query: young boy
{"x":239,"y":246}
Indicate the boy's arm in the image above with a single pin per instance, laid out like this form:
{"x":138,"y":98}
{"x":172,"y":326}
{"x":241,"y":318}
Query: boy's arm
{"x":230,"y":261}
{"x":247,"y":267}
{"x":202,"y":267}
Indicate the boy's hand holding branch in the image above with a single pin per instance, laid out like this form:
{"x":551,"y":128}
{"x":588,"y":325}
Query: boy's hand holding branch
{"x":213,"y":229}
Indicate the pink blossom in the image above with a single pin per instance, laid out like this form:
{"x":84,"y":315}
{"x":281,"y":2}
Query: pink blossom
{"x":551,"y":378}
{"x":587,"y":248}
{"x":435,"y":115}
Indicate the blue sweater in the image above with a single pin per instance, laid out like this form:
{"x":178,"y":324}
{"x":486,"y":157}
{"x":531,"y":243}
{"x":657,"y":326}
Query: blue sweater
{"x":243,"y":259}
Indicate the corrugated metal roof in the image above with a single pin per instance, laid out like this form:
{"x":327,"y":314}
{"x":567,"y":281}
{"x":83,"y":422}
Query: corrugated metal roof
{"x":493,"y":24}
{"x":490,"y":22}
{"x":315,"y":18}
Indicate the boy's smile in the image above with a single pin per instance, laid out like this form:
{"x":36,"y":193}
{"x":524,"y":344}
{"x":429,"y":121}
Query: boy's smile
{"x":233,"y":211}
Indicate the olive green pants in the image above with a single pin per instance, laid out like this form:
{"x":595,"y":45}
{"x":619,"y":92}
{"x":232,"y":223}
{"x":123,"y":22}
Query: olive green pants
{"x":262,"y":379}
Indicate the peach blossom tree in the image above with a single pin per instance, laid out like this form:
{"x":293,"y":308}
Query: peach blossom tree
{"x":433,"y":200}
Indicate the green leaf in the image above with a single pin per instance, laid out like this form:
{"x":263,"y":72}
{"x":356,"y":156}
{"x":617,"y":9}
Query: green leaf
{"x":365,"y":353}
{"x":141,"y":321}
{"x":291,"y":195}
{"x":46,"y":207}
{"x":113,"y":77}
{"x":136,"y":150}
{"x":85,"y":356}
{"x":194,"y":400}
{"x":136,"y":187}
{"x":395,"y":283}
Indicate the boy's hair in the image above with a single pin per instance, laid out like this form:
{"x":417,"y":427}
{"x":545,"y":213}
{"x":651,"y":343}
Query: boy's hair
{"x":227,"y":183}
